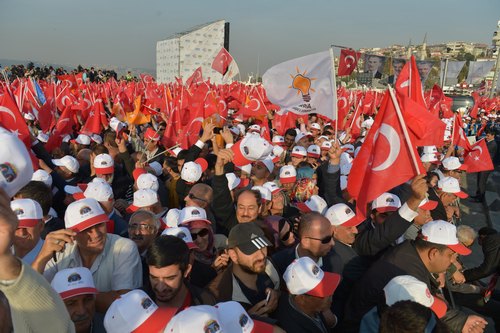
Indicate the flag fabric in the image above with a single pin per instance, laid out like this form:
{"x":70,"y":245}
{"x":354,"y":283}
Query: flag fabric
{"x":347,"y":62}
{"x":303,"y":85}
{"x":452,"y":70}
{"x":409,"y":83}
{"x":196,"y":77}
{"x":478,"y":70}
{"x":12,"y":120}
{"x":221,"y":61}
{"x":459,"y":138}
{"x":384,"y":160}
{"x":475,"y":108}
{"x":478,"y":158}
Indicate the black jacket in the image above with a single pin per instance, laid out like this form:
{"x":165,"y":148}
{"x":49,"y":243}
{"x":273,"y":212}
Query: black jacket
{"x":491,"y":262}
{"x":293,"y":320}
{"x":223,"y":206}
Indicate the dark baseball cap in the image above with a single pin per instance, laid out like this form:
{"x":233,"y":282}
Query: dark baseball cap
{"x":248,"y":237}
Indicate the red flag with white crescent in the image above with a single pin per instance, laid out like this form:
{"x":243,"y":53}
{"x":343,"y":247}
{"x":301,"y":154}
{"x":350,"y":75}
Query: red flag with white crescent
{"x":459,"y":137}
{"x":348,"y":61}
{"x":478,"y":158}
{"x":221,"y":61}
{"x":12,"y":120}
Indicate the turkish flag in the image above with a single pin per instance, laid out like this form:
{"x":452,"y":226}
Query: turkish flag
{"x":409,"y":83}
{"x":196,"y":77}
{"x":459,"y":137}
{"x":347,"y":62}
{"x":253,"y":106}
{"x":12,"y":120}
{"x":384,"y":160}
{"x":69,"y":80}
{"x":433,"y":99}
{"x":475,"y":107}
{"x":478,"y":158}
{"x":93,"y":123}
{"x":446,"y":104}
{"x":343,"y":104}
{"x":221,"y":61}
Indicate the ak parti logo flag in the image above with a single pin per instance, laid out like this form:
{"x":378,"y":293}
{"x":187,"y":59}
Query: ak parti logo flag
{"x":303,"y":85}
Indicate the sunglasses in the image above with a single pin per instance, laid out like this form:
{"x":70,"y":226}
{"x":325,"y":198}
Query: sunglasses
{"x":201,"y":233}
{"x":194,"y":197}
{"x":325,"y":240}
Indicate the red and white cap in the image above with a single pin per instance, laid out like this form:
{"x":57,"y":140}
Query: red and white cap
{"x":71,"y":282}
{"x":83,"y":214}
{"x":348,"y":148}
{"x":315,"y":126}
{"x":453,"y":163}
{"x":43,"y":176}
{"x":268,"y":163}
{"x":175,"y":151}
{"x":429,"y":158}
{"x":104,"y":164}
{"x":147,"y":181}
{"x":304,"y":276}
{"x":116,"y":125}
{"x":82,"y":139}
{"x":143,"y":198}
{"x":135,"y":312}
{"x":326,"y":145}
{"x":278,"y":140}
{"x":409,"y":288}
{"x":192,"y":171}
{"x":288,"y":174}
{"x":265,"y":193}
{"x":313,"y":151}
{"x":199,"y":318}
{"x":190,"y":214}
{"x":28,"y":212}
{"x":301,"y":135}
{"x":444,"y":233}
{"x":42,"y":137}
{"x":314,"y":204}
{"x":386,"y":202}
{"x":98,"y":190}
{"x":69,"y":162}
{"x":249,"y":149}
{"x":276,"y":153}
{"x":182,"y":233}
{"x":341,"y":214}
{"x":299,"y":151}
{"x":451,"y":185}
{"x":427,"y":204}
{"x":254,"y":128}
{"x":29,"y":116}
{"x":96,"y":138}
{"x":235,"y":319}
{"x":232,"y":181}
{"x":151,"y":135}
{"x":273,"y":187}
{"x":235,"y":130}
{"x":172,"y":217}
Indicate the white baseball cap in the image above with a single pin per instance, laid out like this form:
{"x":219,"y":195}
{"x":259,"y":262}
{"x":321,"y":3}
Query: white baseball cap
{"x":175,"y":151}
{"x":96,"y":138}
{"x":348,"y":148}
{"x":427,"y":204}
{"x":278,"y":140}
{"x":444,"y":233}
{"x":326,"y":145}
{"x":315,"y":126}
{"x":368,"y":123}
{"x":143,"y":198}
{"x":343,"y":215}
{"x":299,"y":151}
{"x":43,"y":176}
{"x":29,"y":116}
{"x":301,"y":135}
{"x":451,"y":185}
{"x":172,"y":217}
{"x":288,"y":174}
{"x":116,"y":125}
{"x":429,"y":158}
{"x":199,"y":318}
{"x":276,"y":154}
{"x":192,"y":171}
{"x":82,"y":139}
{"x":158,"y":169}
{"x":98,"y":190}
{"x":104,"y":164}
{"x":268,"y":163}
{"x":136,"y":312}
{"x":69,"y":162}
{"x":453,"y":163}
{"x":249,"y":149}
{"x":189,"y":214}
{"x":254,"y":128}
{"x":182,"y":233}
{"x":314,"y":204}
{"x":42,"y":137}
{"x":313,"y":151}
{"x":83,"y":214}
{"x":304,"y":276}
{"x":147,"y":180}
{"x":235,"y":319}
{"x":273,"y":187}
{"x":71,"y":282}
{"x":232,"y":181}
{"x":235,"y":130}
{"x":386,"y":202}
{"x":265,"y":193}
{"x":407,"y":287}
{"x":247,"y":168}
{"x":28,"y":212}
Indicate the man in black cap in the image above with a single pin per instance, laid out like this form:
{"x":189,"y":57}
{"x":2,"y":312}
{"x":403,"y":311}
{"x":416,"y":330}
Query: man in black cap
{"x":251,"y":279}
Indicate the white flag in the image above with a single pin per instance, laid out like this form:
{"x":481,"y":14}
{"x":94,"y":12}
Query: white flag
{"x":303,"y":85}
{"x":478,"y":70}
{"x":454,"y":68}
{"x":232,"y":71}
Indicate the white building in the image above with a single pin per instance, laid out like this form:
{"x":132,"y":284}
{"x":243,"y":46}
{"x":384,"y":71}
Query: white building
{"x":181,"y":54}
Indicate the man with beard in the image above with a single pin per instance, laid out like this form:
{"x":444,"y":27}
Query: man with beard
{"x":77,"y":290}
{"x":169,"y":269}
{"x":251,"y":279}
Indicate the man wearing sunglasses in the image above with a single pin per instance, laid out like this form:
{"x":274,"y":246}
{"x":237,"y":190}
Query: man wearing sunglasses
{"x":200,"y":195}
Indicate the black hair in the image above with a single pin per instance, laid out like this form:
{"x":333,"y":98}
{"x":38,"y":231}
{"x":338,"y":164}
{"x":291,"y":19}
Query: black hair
{"x":422,"y":244}
{"x":256,"y":193}
{"x":171,"y":162}
{"x":39,"y":192}
{"x":182,"y":154}
{"x":291,"y":132}
{"x":100,"y":149}
{"x":486,"y":231}
{"x":166,"y":251}
{"x":408,"y":317}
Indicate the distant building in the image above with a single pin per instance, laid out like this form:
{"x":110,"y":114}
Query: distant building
{"x":182,"y":53}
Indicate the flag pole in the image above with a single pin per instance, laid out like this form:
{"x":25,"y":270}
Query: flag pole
{"x":405,"y":130}
{"x":334,"y":88}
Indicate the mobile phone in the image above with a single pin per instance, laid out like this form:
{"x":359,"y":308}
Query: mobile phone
{"x":268,"y":296}
{"x":217,"y":130}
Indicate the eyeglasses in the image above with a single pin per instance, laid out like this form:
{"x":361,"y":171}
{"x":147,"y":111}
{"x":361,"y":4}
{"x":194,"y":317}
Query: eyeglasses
{"x":325,"y":240}
{"x":201,"y":233}
{"x":141,"y":227}
{"x":194,"y":197}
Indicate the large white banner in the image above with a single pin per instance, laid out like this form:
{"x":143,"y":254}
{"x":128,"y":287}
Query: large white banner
{"x":478,"y":70}
{"x":452,"y":71}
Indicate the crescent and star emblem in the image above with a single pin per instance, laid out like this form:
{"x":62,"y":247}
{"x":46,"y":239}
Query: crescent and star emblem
{"x":394,"y":146}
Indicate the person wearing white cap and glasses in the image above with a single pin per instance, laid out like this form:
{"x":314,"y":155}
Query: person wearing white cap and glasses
{"x":431,"y":253}
{"x":261,"y":170}
{"x":235,"y":319}
{"x":114,"y":261}
{"x":451,"y":167}
{"x":25,"y":308}
{"x":77,"y":290}
{"x":446,"y":193}
{"x":306,"y":306}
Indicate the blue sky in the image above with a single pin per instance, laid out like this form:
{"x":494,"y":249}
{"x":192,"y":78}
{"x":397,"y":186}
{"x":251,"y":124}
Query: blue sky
{"x":124,"y":32}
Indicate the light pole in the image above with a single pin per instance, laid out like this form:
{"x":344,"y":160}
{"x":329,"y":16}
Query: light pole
{"x":496,"y":43}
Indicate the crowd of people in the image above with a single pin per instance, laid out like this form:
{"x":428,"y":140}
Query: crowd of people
{"x":116,"y":233}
